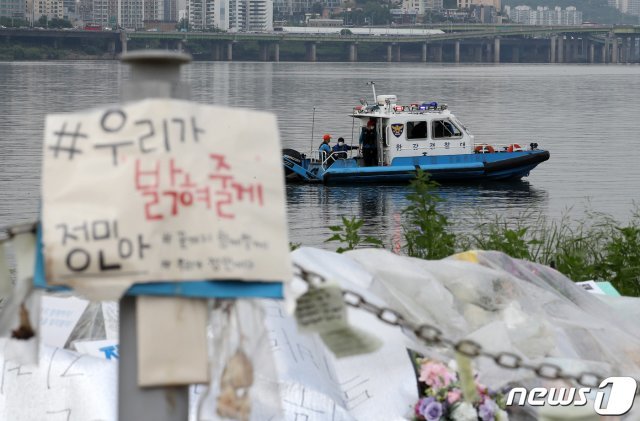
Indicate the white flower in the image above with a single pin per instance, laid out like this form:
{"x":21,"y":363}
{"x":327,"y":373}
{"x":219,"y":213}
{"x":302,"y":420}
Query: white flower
{"x":502,"y":415}
{"x":464,"y":412}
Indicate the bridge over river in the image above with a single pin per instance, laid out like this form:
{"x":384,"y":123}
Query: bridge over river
{"x":459,"y":43}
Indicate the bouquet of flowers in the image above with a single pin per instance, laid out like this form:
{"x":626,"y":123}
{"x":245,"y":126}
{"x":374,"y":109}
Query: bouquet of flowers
{"x":443,"y":401}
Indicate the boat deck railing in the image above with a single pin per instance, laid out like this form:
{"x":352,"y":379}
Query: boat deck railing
{"x":502,"y":147}
{"x":322,"y":157}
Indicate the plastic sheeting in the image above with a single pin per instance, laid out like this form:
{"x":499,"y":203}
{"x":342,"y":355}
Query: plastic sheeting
{"x":503,"y":303}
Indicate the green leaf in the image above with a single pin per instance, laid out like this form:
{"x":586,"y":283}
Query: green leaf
{"x":336,"y":237}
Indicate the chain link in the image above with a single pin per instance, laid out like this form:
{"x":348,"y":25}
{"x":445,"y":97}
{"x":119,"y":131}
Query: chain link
{"x":7,"y":233}
{"x":427,"y":333}
{"x":431,"y":335}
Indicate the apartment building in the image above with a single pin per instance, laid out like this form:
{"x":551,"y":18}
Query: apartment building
{"x":421,"y":6}
{"x":466,"y":4}
{"x":259,"y":16}
{"x":231,"y":15}
{"x":160,"y":11}
{"x":631,"y":7}
{"x":49,"y":8}
{"x":292,"y":7}
{"x":131,"y":13}
{"x":544,"y":15}
{"x":12,"y":8}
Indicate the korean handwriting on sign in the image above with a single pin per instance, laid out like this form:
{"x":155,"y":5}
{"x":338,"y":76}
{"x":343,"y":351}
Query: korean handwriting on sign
{"x":106,"y":240}
{"x":162,"y":182}
{"x":151,"y":136}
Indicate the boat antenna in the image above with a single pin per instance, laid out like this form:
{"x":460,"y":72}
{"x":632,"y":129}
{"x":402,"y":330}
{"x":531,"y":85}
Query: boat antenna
{"x":373,"y":86}
{"x":353,"y":122}
{"x":313,"y":122}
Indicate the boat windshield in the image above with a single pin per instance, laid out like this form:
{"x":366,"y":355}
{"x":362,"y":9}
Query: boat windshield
{"x":459,"y":123}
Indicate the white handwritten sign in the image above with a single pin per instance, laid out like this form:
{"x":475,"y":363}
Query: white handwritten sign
{"x":63,"y":386}
{"x":163,"y":190}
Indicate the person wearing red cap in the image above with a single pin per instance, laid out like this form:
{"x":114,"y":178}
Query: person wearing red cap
{"x":325,"y":149}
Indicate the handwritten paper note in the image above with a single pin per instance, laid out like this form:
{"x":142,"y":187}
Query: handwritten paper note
{"x":322,"y":310}
{"x":315,"y":386}
{"x":58,"y":317}
{"x":63,"y":386}
{"x":163,"y":190}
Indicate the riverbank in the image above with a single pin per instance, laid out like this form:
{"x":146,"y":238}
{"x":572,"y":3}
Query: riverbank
{"x":17,"y":51}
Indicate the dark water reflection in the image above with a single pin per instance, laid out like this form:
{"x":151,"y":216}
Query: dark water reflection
{"x":312,"y":208}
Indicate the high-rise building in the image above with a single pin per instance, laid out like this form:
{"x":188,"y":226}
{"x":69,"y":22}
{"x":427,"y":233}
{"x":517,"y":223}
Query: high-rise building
{"x":284,"y":8}
{"x":466,"y":4}
{"x":131,"y":14}
{"x":422,"y":6}
{"x":69,"y":7}
{"x":49,"y":8}
{"x":12,"y":8}
{"x":631,"y":7}
{"x":237,"y":15}
{"x":482,"y":13}
{"x":201,"y":14}
{"x":545,"y":16}
{"x":102,"y":12}
{"x":99,"y":12}
{"x":259,"y":15}
{"x":160,"y":10}
{"x":231,"y":15}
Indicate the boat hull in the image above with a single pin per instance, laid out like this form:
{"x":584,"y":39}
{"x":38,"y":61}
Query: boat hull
{"x":443,"y":168}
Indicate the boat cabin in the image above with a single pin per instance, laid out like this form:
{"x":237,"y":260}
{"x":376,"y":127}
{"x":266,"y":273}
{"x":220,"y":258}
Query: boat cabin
{"x":389,"y":130}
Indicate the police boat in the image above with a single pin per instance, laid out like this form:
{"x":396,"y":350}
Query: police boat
{"x":397,"y":140}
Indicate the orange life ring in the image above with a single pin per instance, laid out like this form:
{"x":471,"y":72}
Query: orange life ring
{"x":514,"y":147}
{"x":484,"y":149}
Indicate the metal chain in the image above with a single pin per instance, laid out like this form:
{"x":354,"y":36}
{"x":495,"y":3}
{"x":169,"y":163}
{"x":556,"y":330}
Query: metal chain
{"x":7,"y":233}
{"x":431,"y":335}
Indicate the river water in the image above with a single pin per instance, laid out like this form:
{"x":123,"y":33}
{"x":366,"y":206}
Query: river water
{"x":587,"y":116}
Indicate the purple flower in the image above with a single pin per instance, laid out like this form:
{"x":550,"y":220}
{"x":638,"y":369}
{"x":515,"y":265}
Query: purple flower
{"x":423,"y":403}
{"x":433,"y":411}
{"x":487,"y":410}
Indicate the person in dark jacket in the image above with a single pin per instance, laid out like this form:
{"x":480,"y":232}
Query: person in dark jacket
{"x":340,"y":149}
{"x":368,"y":142}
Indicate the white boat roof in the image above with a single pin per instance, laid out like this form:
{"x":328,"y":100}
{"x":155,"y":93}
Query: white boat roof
{"x":387,"y":107}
